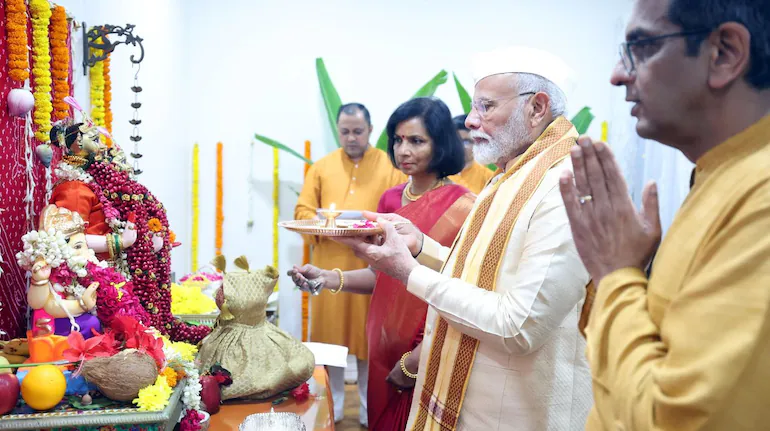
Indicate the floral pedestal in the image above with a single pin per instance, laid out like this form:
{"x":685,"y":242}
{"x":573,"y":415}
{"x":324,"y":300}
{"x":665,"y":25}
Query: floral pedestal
{"x":111,"y":419}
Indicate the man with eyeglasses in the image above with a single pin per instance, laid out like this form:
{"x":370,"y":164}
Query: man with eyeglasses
{"x":474,"y":176}
{"x":501,"y":348}
{"x":688,"y":348}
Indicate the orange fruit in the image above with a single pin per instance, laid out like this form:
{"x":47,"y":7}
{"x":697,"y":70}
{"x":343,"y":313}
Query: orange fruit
{"x":43,"y":387}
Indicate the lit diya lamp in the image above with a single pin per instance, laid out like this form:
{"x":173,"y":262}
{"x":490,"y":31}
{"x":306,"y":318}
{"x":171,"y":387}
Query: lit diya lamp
{"x":330,"y":215}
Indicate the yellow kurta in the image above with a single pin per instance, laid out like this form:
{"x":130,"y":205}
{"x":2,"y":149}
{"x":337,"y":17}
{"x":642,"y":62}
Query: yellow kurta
{"x":690,"y":348}
{"x":473,"y":178}
{"x":341,"y":318}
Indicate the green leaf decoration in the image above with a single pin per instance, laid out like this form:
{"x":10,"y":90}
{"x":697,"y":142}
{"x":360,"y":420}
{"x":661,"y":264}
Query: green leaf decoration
{"x":465,"y":98}
{"x":330,"y":96}
{"x":99,"y":403}
{"x":426,"y":90}
{"x":583,"y":120}
{"x":429,"y":89}
{"x":282,"y":147}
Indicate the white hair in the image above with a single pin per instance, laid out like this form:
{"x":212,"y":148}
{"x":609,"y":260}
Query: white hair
{"x":528,"y":82}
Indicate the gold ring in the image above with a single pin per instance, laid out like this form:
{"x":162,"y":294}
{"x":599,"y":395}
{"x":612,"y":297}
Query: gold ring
{"x":586,"y":198}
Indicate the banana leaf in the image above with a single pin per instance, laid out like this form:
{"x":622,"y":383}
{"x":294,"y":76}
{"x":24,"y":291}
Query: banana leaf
{"x":582,"y":120}
{"x":465,"y":98}
{"x":330,"y":96}
{"x":426,"y":90}
{"x":282,"y":147}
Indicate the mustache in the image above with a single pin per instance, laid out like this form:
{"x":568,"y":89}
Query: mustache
{"x":479,"y":134}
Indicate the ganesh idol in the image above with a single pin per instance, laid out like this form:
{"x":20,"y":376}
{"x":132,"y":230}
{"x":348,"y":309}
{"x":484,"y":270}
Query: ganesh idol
{"x":70,"y":290}
{"x":58,"y":249}
{"x":81,"y":146}
{"x":126,"y":225}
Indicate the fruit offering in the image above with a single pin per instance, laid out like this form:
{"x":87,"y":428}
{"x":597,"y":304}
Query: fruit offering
{"x":43,"y":387}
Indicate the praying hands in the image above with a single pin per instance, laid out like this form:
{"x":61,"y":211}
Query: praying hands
{"x":609,"y":232}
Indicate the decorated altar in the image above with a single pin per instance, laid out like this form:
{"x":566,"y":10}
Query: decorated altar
{"x":94,"y":335}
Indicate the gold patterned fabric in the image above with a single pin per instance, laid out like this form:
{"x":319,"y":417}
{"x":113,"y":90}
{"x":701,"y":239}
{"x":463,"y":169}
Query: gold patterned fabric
{"x":263,"y":359}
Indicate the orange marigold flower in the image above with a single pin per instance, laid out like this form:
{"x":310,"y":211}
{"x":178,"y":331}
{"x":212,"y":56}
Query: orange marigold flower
{"x":170,"y":375}
{"x":154,"y":225}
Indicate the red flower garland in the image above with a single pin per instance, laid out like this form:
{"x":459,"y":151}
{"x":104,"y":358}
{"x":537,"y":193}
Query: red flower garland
{"x":150,"y":271}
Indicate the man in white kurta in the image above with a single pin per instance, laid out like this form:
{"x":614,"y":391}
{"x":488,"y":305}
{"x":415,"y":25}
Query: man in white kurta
{"x":511,"y":290}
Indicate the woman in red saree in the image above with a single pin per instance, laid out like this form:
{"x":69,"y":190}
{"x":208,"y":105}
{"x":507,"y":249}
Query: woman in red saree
{"x":422,"y":143}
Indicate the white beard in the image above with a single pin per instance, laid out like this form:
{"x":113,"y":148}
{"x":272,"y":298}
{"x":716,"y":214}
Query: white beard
{"x":505,"y":145}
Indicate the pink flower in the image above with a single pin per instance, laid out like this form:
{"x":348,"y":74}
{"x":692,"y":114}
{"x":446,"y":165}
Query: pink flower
{"x":82,"y":349}
{"x":62,"y":275}
{"x":301,"y":392}
{"x":110,"y":212}
{"x":191,"y":421}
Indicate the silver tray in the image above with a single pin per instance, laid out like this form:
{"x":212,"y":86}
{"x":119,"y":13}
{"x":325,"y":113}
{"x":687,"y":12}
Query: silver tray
{"x":282,"y":421}
{"x":317,"y":227}
{"x":127,"y":416}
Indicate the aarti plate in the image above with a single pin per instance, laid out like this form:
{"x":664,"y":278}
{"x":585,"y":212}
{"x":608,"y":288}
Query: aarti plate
{"x":344,"y":228}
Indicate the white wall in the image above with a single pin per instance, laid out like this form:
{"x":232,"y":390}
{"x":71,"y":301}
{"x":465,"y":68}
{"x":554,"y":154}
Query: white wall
{"x":221,"y":71}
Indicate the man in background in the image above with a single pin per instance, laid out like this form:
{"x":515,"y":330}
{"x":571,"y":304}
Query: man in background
{"x":350,"y":178}
{"x":474,"y":176}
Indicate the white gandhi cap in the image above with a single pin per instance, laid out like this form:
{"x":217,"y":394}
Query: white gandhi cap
{"x":519,"y":59}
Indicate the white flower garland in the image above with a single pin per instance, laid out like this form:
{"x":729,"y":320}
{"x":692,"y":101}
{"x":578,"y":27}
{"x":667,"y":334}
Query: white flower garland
{"x":66,"y":172}
{"x":192,"y":391}
{"x":51,"y":246}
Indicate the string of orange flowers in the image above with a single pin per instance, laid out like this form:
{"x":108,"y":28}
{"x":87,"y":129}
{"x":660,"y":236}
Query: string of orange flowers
{"x":16,"y":33}
{"x":60,"y":62}
{"x":220,"y":217}
{"x":305,"y":261}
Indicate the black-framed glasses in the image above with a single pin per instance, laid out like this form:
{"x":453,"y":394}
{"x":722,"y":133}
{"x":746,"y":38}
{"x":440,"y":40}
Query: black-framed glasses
{"x":484,"y":106}
{"x":639,"y":50}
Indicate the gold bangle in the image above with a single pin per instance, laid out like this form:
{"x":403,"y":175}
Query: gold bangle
{"x":39,"y":282}
{"x":110,"y":246}
{"x":403,"y":367}
{"x":342,"y":282}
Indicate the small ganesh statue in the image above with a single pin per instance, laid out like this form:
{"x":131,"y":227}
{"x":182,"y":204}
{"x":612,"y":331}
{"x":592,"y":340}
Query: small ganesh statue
{"x":55,"y":252}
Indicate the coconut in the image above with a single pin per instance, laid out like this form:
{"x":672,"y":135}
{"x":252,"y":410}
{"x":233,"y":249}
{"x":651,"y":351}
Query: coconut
{"x":120,"y":377}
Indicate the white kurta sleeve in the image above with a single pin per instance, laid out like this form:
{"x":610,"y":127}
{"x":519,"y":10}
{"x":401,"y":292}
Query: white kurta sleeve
{"x":432,"y":254}
{"x":549,"y":282}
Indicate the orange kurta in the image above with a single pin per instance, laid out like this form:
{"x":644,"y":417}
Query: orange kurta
{"x":473,"y":177}
{"x":341,"y":319}
{"x":76,"y":196}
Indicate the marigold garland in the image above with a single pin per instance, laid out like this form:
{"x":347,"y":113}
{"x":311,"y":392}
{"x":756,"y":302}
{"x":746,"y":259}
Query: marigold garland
{"x":16,"y":33}
{"x":276,"y":209}
{"x":107,"y":99}
{"x":305,"y":261}
{"x":40,"y":13}
{"x":195,"y":210}
{"x":220,"y":218}
{"x":60,"y":64}
{"x":97,"y":89}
